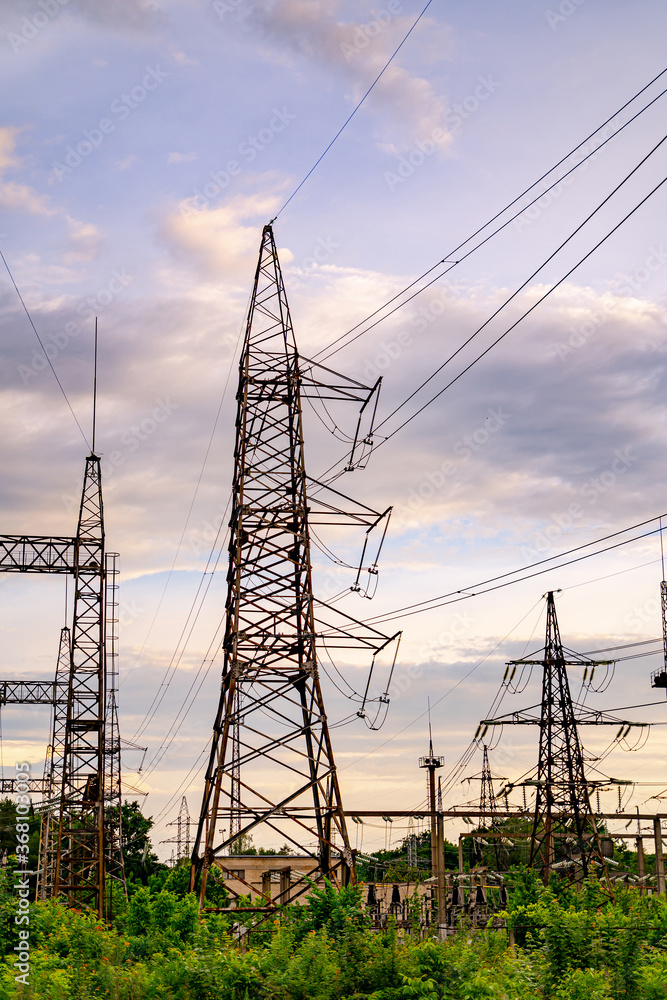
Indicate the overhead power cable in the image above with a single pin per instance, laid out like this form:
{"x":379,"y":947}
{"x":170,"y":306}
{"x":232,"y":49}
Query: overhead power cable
{"x":351,"y":116}
{"x":528,"y":311}
{"x":473,"y":591}
{"x":48,"y":359}
{"x":328,"y":353}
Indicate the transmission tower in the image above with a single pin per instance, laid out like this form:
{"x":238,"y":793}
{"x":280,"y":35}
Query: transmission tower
{"x":80,"y":865}
{"x":182,"y":838}
{"x":81,"y":843}
{"x":53,"y":774}
{"x":659,"y":677}
{"x":271,"y":760}
{"x":565,"y":833}
{"x":487,"y":810}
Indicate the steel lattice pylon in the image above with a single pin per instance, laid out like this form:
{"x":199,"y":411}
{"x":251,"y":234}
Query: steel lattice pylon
{"x":271,"y":758}
{"x":565,"y":832}
{"x":80,"y":837}
{"x":53,"y":776}
{"x":487,"y":812}
{"x":80,"y":868}
{"x":561,"y":776}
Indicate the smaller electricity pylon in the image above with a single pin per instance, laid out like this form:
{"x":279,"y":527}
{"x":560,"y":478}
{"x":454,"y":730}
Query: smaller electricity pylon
{"x":565,"y":834}
{"x":48,"y":837}
{"x":487,"y":812}
{"x":659,"y":677}
{"x":182,"y":838}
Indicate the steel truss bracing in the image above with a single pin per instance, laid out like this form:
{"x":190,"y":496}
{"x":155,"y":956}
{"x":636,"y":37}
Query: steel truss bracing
{"x":271,"y":748}
{"x":182,"y":838}
{"x":487,"y":813}
{"x":113,"y":816}
{"x":80,"y":869}
{"x":53,"y":773}
{"x":565,"y":832}
{"x":82,"y":773}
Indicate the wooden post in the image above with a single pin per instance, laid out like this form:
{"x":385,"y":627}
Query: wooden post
{"x":461,"y":836}
{"x":659,"y":860}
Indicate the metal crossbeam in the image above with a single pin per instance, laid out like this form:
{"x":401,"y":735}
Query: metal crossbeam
{"x":34,"y":692}
{"x":37,"y":554}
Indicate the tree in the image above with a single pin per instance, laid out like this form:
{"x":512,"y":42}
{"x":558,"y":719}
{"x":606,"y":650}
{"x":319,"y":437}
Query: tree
{"x":140,"y":861}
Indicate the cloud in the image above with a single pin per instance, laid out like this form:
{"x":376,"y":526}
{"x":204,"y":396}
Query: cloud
{"x":411,"y":108}
{"x":85,"y":241}
{"x":18,"y":197}
{"x":127,"y":161}
{"x":218,"y":242}
{"x":182,"y":157}
{"x":122,"y":16}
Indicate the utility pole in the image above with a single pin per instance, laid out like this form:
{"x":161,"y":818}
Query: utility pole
{"x":271,"y":747}
{"x":431,"y":763}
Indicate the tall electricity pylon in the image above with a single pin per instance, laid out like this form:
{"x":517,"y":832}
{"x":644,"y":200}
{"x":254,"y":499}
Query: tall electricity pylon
{"x":271,"y":760}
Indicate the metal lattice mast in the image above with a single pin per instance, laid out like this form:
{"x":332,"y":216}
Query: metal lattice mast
{"x":270,"y":657}
{"x":561,"y":778}
{"x":488,"y":807}
{"x":113,"y":792}
{"x":663,"y":606}
{"x":80,"y":861}
{"x":235,"y":802}
{"x":53,"y":774}
{"x":182,"y":838}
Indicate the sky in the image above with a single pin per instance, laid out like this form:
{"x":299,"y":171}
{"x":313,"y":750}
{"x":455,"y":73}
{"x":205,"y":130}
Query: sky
{"x":143,"y":146}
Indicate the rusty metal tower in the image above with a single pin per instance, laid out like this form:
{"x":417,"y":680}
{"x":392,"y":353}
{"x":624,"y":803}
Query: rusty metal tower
{"x":271,"y":762}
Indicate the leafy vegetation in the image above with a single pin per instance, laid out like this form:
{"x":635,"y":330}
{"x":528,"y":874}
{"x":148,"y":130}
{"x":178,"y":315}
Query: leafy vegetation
{"x":570,"y":945}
